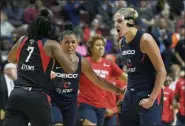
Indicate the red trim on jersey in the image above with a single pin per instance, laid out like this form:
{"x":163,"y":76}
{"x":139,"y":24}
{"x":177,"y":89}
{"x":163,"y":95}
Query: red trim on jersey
{"x":20,"y":49}
{"x":142,"y":60}
{"x":48,"y":97}
{"x":44,"y":58}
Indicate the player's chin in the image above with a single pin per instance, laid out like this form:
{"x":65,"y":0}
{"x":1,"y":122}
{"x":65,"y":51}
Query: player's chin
{"x":101,"y":54}
{"x":70,"y":51}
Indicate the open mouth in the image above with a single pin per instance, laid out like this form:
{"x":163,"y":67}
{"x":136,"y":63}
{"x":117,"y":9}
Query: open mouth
{"x":118,"y":30}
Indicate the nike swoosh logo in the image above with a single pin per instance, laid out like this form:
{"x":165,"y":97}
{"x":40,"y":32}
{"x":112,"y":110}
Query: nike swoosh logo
{"x":58,"y":67}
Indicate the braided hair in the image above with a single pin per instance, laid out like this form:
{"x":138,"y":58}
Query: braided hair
{"x":41,"y":26}
{"x":68,"y":30}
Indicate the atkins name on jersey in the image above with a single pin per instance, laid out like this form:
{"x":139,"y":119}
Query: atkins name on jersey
{"x":27,"y":67}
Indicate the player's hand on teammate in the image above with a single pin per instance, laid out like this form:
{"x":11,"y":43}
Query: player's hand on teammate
{"x":109,"y":112}
{"x":122,"y":91}
{"x":146,"y":103}
{"x":118,"y":105}
{"x":52,"y":75}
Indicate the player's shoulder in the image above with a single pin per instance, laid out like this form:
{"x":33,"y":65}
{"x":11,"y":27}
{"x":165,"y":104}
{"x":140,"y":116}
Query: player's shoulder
{"x":146,"y":36}
{"x":51,"y":43}
{"x":22,"y":38}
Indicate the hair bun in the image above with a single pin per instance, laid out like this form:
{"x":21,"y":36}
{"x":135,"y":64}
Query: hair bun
{"x":44,"y":12}
{"x":68,"y":26}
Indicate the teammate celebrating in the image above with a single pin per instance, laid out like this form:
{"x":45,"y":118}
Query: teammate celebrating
{"x":65,"y":90}
{"x":146,"y":72}
{"x":33,"y":53}
{"x":92,"y":105}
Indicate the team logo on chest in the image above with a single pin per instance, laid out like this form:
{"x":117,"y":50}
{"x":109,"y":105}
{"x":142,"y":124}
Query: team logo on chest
{"x":129,"y":66}
{"x":128,"y":52}
{"x":65,"y":88}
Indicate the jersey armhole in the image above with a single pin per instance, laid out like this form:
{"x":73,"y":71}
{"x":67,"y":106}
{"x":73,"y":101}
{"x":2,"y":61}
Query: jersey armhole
{"x":54,"y":63}
{"x":22,"y":42}
{"x":120,"y":43}
{"x":79,"y":63}
{"x":140,"y":44}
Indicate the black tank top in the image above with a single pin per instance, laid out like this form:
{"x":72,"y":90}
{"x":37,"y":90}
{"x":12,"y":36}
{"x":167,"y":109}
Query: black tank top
{"x":65,"y":86}
{"x":34,"y":66}
{"x":141,"y":73}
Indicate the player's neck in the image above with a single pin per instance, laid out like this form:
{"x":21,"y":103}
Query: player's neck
{"x":96,"y":58}
{"x":130,"y":34}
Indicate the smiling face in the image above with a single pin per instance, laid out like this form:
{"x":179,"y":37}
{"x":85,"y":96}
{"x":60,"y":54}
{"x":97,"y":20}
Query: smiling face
{"x":120,"y":24}
{"x":98,"y":48}
{"x":69,"y":43}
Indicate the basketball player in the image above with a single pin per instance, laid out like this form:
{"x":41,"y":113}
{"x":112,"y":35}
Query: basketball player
{"x":34,"y":54}
{"x":146,"y":72}
{"x":65,"y":90}
{"x":92,"y":104}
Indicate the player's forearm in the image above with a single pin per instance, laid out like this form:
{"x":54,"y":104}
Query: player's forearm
{"x":160,"y":78}
{"x":107,"y":86}
{"x":124,"y":77}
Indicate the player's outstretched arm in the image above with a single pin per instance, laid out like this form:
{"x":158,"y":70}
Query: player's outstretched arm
{"x":87,"y":70}
{"x":68,"y":63}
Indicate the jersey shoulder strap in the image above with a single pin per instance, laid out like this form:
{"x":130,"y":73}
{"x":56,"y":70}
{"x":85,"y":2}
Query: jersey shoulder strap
{"x":23,"y":41}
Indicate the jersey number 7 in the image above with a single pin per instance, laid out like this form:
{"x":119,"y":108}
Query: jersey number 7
{"x":30,"y":50}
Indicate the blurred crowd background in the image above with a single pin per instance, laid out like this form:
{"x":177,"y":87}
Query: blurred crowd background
{"x":163,"y":19}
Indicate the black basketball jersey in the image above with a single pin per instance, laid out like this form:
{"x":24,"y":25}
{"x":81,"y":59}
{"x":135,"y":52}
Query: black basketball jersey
{"x":65,"y":85}
{"x":141,"y":72}
{"x":34,"y":66}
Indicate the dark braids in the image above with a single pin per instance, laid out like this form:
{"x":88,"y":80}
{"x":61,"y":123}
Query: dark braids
{"x":41,"y":26}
